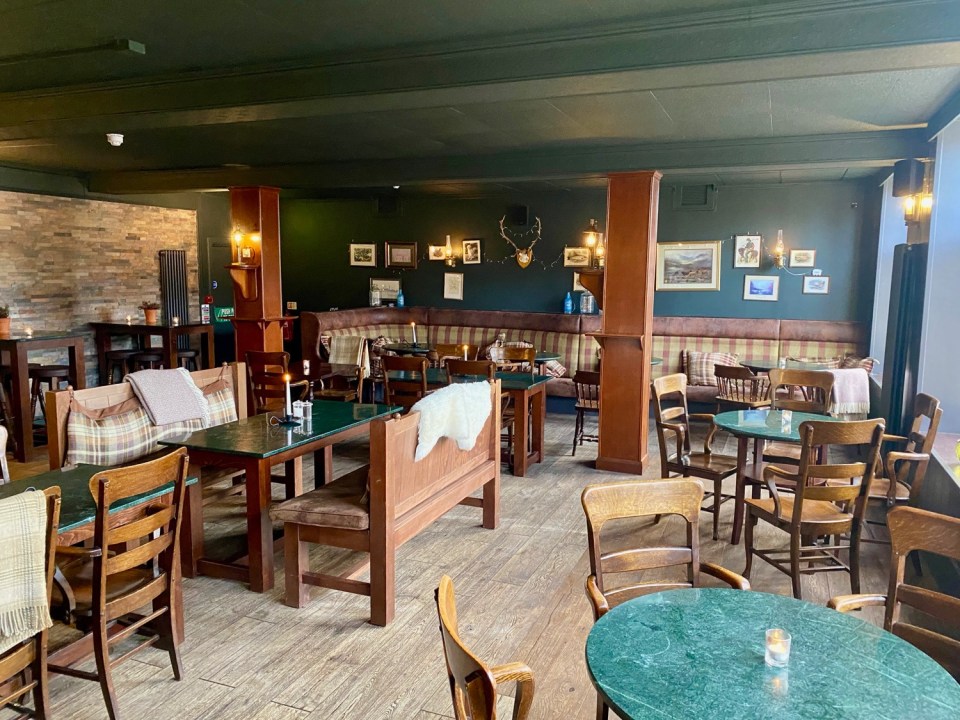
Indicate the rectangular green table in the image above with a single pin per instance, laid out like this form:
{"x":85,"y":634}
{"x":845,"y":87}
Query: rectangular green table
{"x":530,"y":409}
{"x":254,"y":445}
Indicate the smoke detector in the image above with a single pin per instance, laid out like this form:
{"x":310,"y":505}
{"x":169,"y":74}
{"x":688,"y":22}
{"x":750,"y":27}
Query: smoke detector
{"x":115,"y":139}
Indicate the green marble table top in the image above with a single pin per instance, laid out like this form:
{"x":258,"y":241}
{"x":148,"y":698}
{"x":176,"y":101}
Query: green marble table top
{"x":544,"y":356}
{"x":77,"y":507}
{"x":508,"y":381}
{"x":698,"y":653}
{"x":260,"y":437}
{"x":766,"y":424}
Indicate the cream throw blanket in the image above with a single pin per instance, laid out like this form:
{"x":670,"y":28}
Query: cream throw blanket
{"x":24,"y":607}
{"x":851,"y":393}
{"x":169,"y":396}
{"x":457,"y":411}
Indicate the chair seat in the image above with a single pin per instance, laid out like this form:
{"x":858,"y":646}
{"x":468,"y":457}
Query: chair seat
{"x":79,"y":574}
{"x":340,"y":504}
{"x":121,"y":354}
{"x":714,"y":463}
{"x":335,"y":394}
{"x":881,"y":486}
{"x":814,"y":511}
{"x":44,"y":372}
{"x":187,"y":353}
{"x":587,"y":405}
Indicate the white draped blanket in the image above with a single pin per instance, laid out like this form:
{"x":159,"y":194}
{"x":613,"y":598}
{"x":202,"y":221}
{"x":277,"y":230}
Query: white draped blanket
{"x":851,"y":392}
{"x":169,"y":396}
{"x":24,"y":608}
{"x":457,"y":411}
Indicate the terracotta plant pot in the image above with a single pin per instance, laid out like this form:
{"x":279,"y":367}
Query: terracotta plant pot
{"x":4,"y":326}
{"x":150,"y":315}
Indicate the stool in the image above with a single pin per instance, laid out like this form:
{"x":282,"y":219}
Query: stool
{"x":188,"y":359}
{"x":147,"y":361}
{"x":119,"y":360}
{"x":53,"y":375}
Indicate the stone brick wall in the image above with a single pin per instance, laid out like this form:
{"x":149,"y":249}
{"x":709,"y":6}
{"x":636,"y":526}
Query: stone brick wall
{"x":65,"y":262}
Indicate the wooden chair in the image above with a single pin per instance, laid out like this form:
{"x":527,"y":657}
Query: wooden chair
{"x":516,"y":359}
{"x":641,"y":498}
{"x":739,"y":388}
{"x":806,"y":391}
{"x":485,"y":368}
{"x":828,"y":500}
{"x":133,"y":562}
{"x":23,"y":668}
{"x":4,"y":468}
{"x":341,"y":387}
{"x":587,"y":385}
{"x":265,"y":371}
{"x":913,"y":529}
{"x":473,"y":683}
{"x":406,"y":392}
{"x":449,"y":351}
{"x":676,"y":420}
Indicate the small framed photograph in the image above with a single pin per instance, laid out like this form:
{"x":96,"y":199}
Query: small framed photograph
{"x":401,"y":255}
{"x":816,"y":284}
{"x":688,"y":265}
{"x":389,"y":288}
{"x":436,"y":252}
{"x":471,"y":251}
{"x":761,"y":287}
{"x":577,"y":286}
{"x":803,"y":258}
{"x":453,"y":286}
{"x":576,"y":256}
{"x":363,"y":255}
{"x":746,"y":251}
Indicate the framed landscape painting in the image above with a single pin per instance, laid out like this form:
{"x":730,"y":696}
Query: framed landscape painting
{"x":761,"y":287}
{"x":388,"y":287}
{"x":401,"y":255}
{"x":816,"y":285}
{"x":803,"y":258}
{"x":363,"y":255}
{"x":688,"y":265}
{"x":746,"y":251}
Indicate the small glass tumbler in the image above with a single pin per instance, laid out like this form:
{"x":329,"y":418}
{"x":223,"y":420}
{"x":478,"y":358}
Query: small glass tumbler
{"x":777,"y":648}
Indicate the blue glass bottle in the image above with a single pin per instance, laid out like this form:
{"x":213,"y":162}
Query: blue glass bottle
{"x":400,"y":298}
{"x":568,"y":305}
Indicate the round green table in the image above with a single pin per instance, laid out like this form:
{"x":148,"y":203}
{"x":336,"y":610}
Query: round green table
{"x":760,"y":424}
{"x":698,"y":653}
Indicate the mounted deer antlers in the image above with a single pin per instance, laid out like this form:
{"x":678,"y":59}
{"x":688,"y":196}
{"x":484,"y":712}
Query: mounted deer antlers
{"x":524,"y":256}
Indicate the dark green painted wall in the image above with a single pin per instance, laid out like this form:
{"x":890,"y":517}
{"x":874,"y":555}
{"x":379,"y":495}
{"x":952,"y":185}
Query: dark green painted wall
{"x":835,"y":219}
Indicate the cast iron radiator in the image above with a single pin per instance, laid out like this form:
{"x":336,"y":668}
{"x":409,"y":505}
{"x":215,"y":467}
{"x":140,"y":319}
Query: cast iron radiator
{"x":174,"y":299}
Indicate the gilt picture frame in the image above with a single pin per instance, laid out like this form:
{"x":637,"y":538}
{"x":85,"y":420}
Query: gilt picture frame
{"x":688,"y":265}
{"x":401,"y":255}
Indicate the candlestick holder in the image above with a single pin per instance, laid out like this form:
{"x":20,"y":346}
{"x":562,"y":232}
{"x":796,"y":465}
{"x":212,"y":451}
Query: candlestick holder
{"x":288,"y":420}
{"x":777,"y":648}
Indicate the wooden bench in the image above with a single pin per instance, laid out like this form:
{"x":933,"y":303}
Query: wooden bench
{"x":404,"y":497}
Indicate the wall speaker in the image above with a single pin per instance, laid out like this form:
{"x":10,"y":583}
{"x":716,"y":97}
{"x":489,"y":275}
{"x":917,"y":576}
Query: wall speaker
{"x":907,"y":177}
{"x":517,"y":215}
{"x":388,"y":205}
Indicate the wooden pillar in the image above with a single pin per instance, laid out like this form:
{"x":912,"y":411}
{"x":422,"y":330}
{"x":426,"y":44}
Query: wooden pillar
{"x":627,"y":331}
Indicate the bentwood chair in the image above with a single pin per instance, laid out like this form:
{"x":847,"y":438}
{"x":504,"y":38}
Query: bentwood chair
{"x":473,"y":683}
{"x":407,"y":390}
{"x":828,"y":500}
{"x":634,"y":499}
{"x":133,"y":562}
{"x":805,"y":391}
{"x":669,"y":399}
{"x":265,"y":371}
{"x":23,"y":668}
{"x":913,"y":529}
{"x":587,"y":386}
{"x":738,"y":388}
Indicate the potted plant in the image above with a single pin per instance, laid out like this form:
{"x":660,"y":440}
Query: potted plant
{"x":150,"y":311}
{"x":4,"y":319}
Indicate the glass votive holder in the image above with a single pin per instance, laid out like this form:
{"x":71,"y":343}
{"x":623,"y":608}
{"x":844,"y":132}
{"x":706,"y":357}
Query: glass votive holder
{"x":29,"y":332}
{"x":176,"y":321}
{"x":777,"y":648}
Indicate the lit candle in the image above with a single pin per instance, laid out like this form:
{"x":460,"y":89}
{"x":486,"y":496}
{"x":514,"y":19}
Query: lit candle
{"x":778,"y":648}
{"x":289,"y":406}
{"x":176,"y":320}
{"x":129,"y":320}
{"x":29,"y":332}
{"x":306,"y":367}
{"x":464,"y":352}
{"x":413,"y":327}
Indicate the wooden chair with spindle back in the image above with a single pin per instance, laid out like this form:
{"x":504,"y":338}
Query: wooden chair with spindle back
{"x":828,"y":500}
{"x":134,"y":562}
{"x":473,"y":683}
{"x":608,"y":502}
{"x":739,"y":388}
{"x":449,"y":351}
{"x":806,"y":391}
{"x":587,"y":386}
{"x":411,"y":387}
{"x":265,"y":371}
{"x":669,"y":399}
{"x":911,"y":530}
{"x":23,"y":668}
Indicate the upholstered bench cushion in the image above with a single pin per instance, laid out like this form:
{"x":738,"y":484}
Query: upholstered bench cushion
{"x":462,"y":335}
{"x":340,"y":504}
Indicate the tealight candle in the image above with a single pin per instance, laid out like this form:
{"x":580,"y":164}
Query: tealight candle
{"x":29,"y":332}
{"x":778,"y":648}
{"x":413,"y":327}
{"x":464,"y":352}
{"x":129,"y":320}
{"x":176,"y":320}
{"x":306,"y":367}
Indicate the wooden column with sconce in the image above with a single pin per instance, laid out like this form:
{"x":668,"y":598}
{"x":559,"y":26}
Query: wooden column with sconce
{"x":257,"y":291}
{"x":624,"y":289}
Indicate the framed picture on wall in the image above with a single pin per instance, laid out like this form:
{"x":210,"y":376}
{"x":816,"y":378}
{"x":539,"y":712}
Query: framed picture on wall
{"x":436,"y":252}
{"x":577,"y":286}
{"x":471,"y":251}
{"x":389,"y":288}
{"x":746,"y":251}
{"x":576,"y":256}
{"x":761,"y":287}
{"x":453,"y":286}
{"x":363,"y":254}
{"x":802,"y":258}
{"x":688,"y":265}
{"x":816,"y":284}
{"x":401,"y":255}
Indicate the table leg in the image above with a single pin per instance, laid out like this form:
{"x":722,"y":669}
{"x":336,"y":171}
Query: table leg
{"x":191,"y":532}
{"x":739,"y":497}
{"x":211,"y":360}
{"x":20,"y":402}
{"x":78,"y":370}
{"x":102,"y":339}
{"x":170,"y":359}
{"x":539,"y":421}
{"x":521,"y":432}
{"x":259,"y":526}
{"x":323,"y":466}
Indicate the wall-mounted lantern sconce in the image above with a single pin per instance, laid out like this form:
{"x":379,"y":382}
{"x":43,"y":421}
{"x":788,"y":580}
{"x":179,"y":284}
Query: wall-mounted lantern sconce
{"x":247,"y":247}
{"x":593,"y":240}
{"x":779,"y":251}
{"x":451,"y":259}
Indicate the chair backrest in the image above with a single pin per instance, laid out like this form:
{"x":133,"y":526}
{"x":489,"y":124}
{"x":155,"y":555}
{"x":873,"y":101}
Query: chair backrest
{"x":738,"y":384}
{"x":641,"y":498}
{"x":587,"y":385}
{"x":815,"y":387}
{"x":350,"y":350}
{"x":468,"y":368}
{"x":265,"y":371}
{"x":472,"y":685}
{"x":153,"y":535}
{"x":413,"y":386}
{"x":926,"y":421}
{"x":455,"y":352}
{"x":4,"y":468}
{"x":915,"y":529}
{"x":669,"y":398}
{"x":515,"y":359}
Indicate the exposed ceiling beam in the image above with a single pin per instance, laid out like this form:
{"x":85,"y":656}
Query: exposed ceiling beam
{"x":812,"y":39}
{"x":865,"y":149}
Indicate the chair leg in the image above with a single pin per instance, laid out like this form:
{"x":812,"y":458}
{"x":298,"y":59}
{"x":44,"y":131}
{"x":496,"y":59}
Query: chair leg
{"x":41,"y":693}
{"x":748,"y":523}
{"x":577,"y":430}
{"x":717,"y":499}
{"x":523,"y":700}
{"x":168,"y":640}
{"x":101,"y":650}
{"x":603,"y":712}
{"x":855,"y":561}
{"x":795,"y":565}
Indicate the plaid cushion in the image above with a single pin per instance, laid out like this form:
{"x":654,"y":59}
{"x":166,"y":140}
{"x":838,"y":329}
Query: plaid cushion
{"x":699,"y":366}
{"x":376,"y":353}
{"x":554,"y":368}
{"x":588,"y":355}
{"x":812,"y":363}
{"x":111,"y":436}
{"x":566,"y":345}
{"x":852,"y":361}
{"x":672,"y":348}
{"x":223,"y":405}
{"x":462,"y":335}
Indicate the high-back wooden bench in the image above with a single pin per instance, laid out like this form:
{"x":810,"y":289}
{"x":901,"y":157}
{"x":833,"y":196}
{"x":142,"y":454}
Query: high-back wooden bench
{"x":404,"y":497}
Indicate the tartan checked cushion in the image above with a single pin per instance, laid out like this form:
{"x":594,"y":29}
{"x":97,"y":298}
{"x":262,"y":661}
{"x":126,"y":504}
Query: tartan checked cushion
{"x":223,"y":405}
{"x":110,"y":436}
{"x":565,"y":345}
{"x":462,"y":335}
{"x":588,"y":354}
{"x":817,"y":349}
{"x":700,"y":366}
{"x":377,"y":352}
{"x":852,"y":361}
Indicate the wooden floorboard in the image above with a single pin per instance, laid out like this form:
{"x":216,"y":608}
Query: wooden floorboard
{"x":520,"y":597}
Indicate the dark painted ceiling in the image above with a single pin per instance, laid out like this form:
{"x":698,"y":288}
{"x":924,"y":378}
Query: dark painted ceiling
{"x":348,"y":94}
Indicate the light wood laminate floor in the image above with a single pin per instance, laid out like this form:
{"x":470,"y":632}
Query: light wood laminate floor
{"x":519,"y":592}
